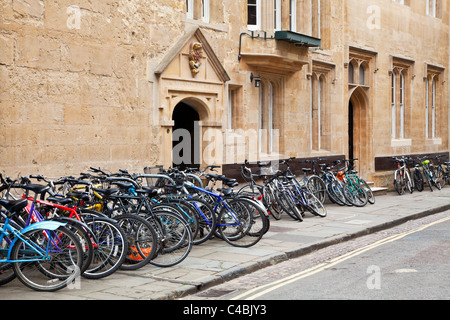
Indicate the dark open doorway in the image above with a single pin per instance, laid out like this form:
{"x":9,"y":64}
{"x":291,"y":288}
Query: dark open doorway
{"x":350,"y":131}
{"x":185,"y":144}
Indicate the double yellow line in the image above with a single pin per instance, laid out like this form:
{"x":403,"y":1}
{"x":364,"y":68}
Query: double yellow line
{"x":262,"y":290}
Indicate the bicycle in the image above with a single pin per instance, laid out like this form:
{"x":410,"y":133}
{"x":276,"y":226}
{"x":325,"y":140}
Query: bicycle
{"x":402,"y":178}
{"x":45,"y":256}
{"x":103,"y":238}
{"x":442,"y":175}
{"x":265,"y":192}
{"x":313,"y":181}
{"x":428,"y":173}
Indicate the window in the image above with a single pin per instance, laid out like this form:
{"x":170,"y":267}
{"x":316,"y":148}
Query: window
{"x":400,"y":103}
{"x":433,"y":108}
{"x":316,"y":112}
{"x":205,"y":11}
{"x":320,"y":117}
{"x":393,"y":80}
{"x":362,"y":75}
{"x":268,"y":132}
{"x":293,"y":15}
{"x":253,"y":14}
{"x":316,"y":10}
{"x":351,"y":73}
{"x":277,"y":14}
{"x":431,"y":8}
{"x":430,"y":108}
{"x":402,"y":106}
{"x":190,"y":9}
{"x":427,"y":95}
{"x":399,"y":1}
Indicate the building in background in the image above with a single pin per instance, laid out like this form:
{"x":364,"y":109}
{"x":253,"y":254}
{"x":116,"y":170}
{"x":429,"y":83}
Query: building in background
{"x":139,"y":83}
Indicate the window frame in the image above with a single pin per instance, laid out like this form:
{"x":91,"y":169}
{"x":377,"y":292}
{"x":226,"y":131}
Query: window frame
{"x":257,"y":26}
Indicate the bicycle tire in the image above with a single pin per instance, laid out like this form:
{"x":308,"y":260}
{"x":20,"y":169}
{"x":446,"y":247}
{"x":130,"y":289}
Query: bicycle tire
{"x":238,"y":223}
{"x":58,"y":271}
{"x":428,"y":179}
{"x":418,"y":180}
{"x":316,"y":185}
{"x":288,"y":206}
{"x":110,"y":248}
{"x":83,"y":233}
{"x":398,"y":182}
{"x":408,"y":182}
{"x":370,"y":195}
{"x":335,"y":194}
{"x":315,"y":206}
{"x":438,"y":177}
{"x":174,"y":238}
{"x":141,"y":238}
{"x":206,"y":219}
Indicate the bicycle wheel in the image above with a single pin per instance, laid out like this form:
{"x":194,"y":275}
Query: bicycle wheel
{"x":418,"y":180}
{"x":182,"y":208}
{"x":370,"y":195}
{"x":6,"y":269}
{"x":408,"y":182}
{"x":355,"y":194}
{"x":141,"y":240}
{"x":174,"y":238}
{"x":314,"y":205}
{"x":399,"y":182}
{"x":60,"y":265}
{"x":84,"y":236}
{"x":335,"y":194}
{"x":241,"y":223}
{"x":316,"y":185}
{"x":110,"y":248}
{"x":438,"y":177}
{"x":428,"y":178}
{"x":206,"y":220}
{"x":269,"y":199}
{"x":286,"y":202}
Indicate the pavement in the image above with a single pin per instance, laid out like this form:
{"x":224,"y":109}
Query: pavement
{"x":216,"y":262}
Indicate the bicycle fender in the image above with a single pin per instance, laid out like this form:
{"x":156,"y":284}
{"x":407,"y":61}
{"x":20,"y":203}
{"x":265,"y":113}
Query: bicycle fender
{"x":43,"y":225}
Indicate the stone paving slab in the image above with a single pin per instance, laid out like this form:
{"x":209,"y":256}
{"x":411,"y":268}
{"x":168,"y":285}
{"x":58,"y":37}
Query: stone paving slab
{"x":216,"y":261}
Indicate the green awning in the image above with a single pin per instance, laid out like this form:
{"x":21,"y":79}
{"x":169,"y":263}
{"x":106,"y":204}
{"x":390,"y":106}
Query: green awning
{"x":297,"y":38}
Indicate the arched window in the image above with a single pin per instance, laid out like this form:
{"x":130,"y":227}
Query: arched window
{"x":351,"y":73}
{"x":393,"y":105}
{"x":362,"y":75}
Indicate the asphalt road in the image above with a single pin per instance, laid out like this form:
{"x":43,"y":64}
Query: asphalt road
{"x":405,"y":263}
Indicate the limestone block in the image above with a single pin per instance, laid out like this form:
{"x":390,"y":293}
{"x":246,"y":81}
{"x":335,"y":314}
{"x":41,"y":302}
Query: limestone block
{"x":6,"y":50}
{"x":27,"y":51}
{"x":34,"y":8}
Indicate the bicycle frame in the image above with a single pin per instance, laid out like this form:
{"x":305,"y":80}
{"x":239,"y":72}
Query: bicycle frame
{"x":8,"y":230}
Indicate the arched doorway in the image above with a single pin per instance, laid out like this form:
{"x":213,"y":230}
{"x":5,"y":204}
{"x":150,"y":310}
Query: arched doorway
{"x":359,"y":130}
{"x":185,"y":137}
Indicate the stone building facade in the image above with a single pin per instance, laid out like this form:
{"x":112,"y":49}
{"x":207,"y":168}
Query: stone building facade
{"x":139,"y":83}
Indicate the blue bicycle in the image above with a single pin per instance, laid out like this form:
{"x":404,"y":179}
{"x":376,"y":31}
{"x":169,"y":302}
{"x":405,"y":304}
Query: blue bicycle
{"x":44,"y":256}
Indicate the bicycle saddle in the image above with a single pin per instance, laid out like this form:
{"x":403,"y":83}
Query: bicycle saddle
{"x":62,"y":201}
{"x":225,"y":191}
{"x":14,"y":205}
{"x":151,"y":192}
{"x":37,"y":188}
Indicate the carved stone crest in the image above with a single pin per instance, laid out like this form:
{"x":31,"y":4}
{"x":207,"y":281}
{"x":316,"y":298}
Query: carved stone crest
{"x":195,"y":55}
